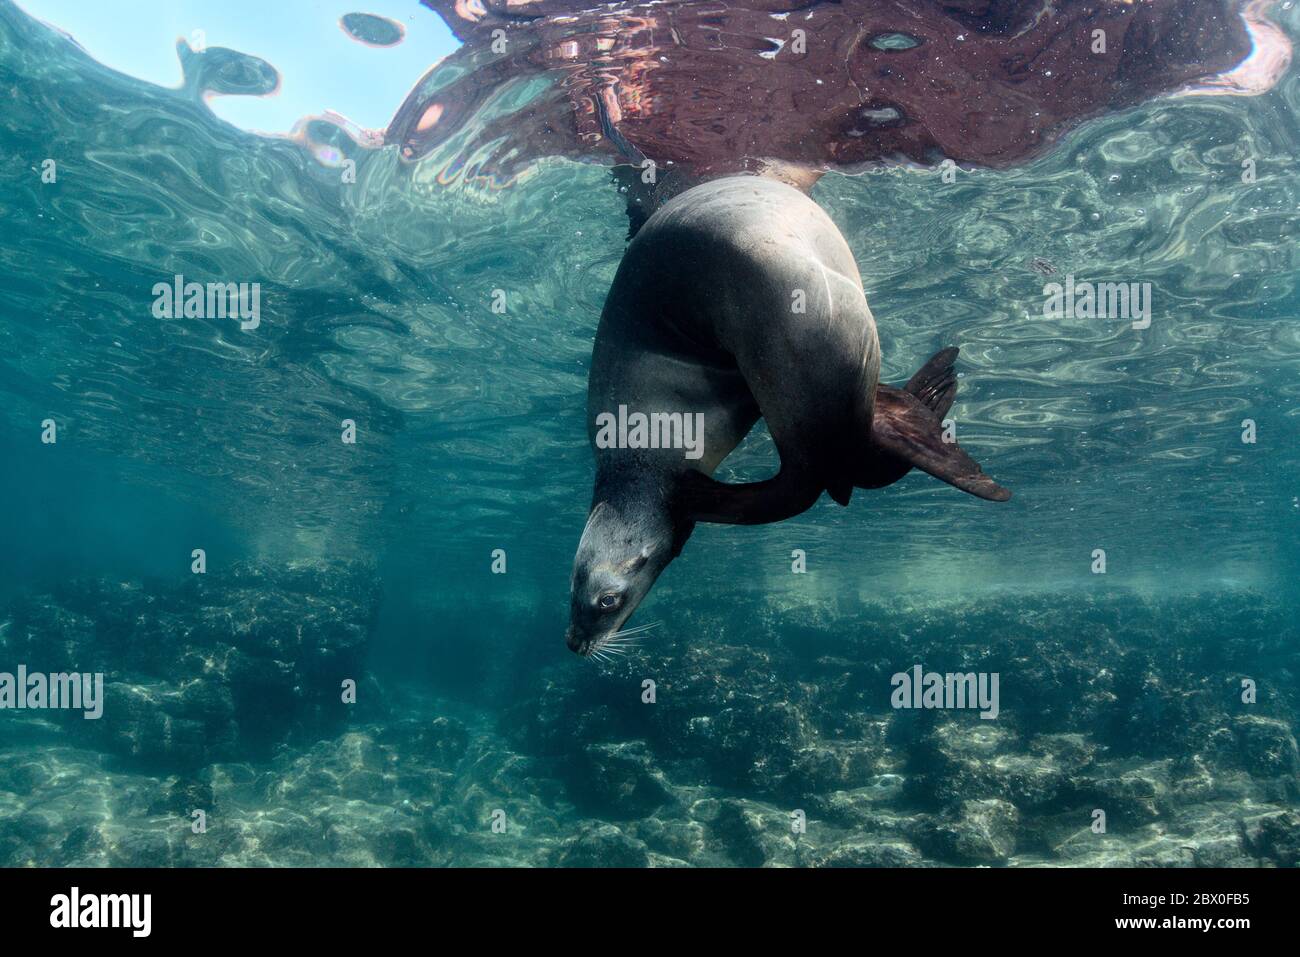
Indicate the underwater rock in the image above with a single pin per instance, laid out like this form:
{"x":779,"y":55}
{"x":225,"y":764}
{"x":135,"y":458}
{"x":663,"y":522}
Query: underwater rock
{"x":43,"y":632}
{"x":754,"y":835}
{"x":873,"y":807}
{"x":679,"y":839}
{"x":83,"y":845}
{"x":400,"y":847}
{"x":1129,"y":792}
{"x":830,"y":766}
{"x":145,"y":722}
{"x":183,"y":797}
{"x":1212,"y":834}
{"x":1262,"y":746}
{"x":980,"y":832}
{"x":723,"y":710}
{"x":441,"y":740}
{"x":221,"y":667}
{"x":1274,"y":836}
{"x":754,"y":742}
{"x":961,"y":760}
{"x":604,"y":845}
{"x":622,"y":780}
{"x":871,"y":853}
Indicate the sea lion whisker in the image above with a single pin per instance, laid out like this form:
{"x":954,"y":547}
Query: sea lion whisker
{"x":620,"y":635}
{"x":635,"y":631}
{"x":642,"y":627}
{"x":622,"y":639}
{"x":620,"y":647}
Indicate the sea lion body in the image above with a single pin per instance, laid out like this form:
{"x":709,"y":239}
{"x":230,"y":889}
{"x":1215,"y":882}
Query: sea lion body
{"x":738,"y":299}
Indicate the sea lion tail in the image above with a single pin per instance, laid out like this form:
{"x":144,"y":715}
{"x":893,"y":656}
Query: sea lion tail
{"x":908,"y":425}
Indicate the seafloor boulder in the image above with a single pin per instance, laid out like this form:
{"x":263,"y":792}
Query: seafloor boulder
{"x":977,"y":832}
{"x":223,"y":666}
{"x":603,"y":845}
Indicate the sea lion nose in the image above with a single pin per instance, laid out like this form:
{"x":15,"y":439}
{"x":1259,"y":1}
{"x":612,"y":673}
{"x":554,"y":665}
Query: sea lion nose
{"x":573,"y":641}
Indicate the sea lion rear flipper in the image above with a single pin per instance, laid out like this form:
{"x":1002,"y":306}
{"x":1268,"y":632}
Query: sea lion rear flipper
{"x":935,"y":383}
{"x":905,"y":427}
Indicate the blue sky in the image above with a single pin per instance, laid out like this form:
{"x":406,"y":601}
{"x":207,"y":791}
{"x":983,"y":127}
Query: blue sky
{"x":320,"y":66}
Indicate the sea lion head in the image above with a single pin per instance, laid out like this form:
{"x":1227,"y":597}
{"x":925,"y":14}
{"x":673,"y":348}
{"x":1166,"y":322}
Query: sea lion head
{"x":621,"y":553}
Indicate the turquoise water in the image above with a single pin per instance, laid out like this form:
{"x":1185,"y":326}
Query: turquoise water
{"x":1123,"y":689}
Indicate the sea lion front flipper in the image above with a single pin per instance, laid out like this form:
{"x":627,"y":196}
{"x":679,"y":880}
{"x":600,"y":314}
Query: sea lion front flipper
{"x":705,"y":499}
{"x":903,"y":426}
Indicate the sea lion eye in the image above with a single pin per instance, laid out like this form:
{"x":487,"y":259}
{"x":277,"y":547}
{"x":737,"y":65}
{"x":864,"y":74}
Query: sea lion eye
{"x":608,"y":601}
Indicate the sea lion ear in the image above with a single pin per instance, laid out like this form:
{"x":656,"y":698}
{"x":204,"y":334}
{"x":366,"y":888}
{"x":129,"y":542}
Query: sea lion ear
{"x":596,"y":511}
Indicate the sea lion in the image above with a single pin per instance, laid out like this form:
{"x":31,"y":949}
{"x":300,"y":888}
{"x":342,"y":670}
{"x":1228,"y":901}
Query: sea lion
{"x":737,"y":299}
